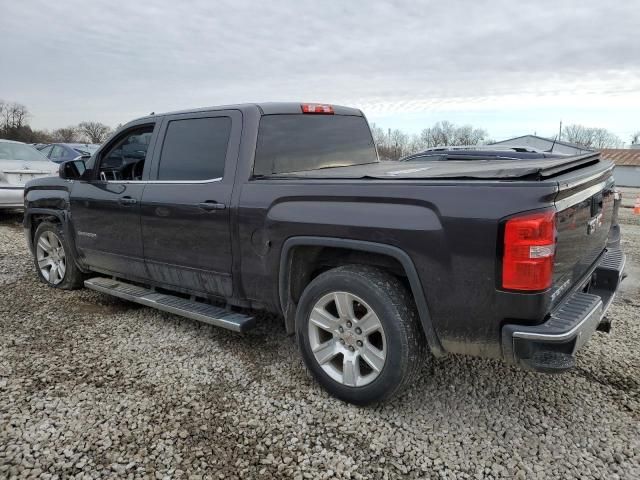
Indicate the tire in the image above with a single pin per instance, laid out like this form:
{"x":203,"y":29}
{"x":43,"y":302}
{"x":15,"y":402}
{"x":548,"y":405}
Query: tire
{"x":53,"y":258}
{"x":348,"y":364}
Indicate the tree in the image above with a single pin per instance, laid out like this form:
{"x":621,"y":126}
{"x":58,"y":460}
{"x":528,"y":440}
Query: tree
{"x":445,"y":134}
{"x":95,"y":132}
{"x":391,"y":144}
{"x":590,"y":137}
{"x":13,"y":122}
{"x":395,"y":144}
{"x":635,"y":138}
{"x":66,"y":135}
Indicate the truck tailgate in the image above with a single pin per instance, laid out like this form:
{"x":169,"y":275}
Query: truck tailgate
{"x":586,"y":212}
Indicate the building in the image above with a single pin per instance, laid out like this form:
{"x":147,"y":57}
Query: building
{"x":544,"y":144}
{"x":627,"y":162}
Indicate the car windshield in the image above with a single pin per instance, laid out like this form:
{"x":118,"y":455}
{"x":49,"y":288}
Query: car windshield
{"x":20,"y":152}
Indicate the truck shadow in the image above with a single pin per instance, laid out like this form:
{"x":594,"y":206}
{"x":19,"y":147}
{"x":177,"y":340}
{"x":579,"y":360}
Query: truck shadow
{"x":10,"y":218}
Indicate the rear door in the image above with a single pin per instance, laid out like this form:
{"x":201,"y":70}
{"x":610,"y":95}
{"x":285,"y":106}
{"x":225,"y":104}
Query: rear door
{"x":185,"y":206}
{"x":105,"y":208}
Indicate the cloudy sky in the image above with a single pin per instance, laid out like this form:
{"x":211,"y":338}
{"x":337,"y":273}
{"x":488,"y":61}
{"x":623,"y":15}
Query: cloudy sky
{"x":510,"y":67}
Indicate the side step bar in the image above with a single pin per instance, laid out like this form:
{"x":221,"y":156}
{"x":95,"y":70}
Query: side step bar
{"x":202,"y":312}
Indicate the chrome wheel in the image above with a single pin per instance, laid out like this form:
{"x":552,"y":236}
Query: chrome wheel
{"x":347,"y":339}
{"x":51,"y":257}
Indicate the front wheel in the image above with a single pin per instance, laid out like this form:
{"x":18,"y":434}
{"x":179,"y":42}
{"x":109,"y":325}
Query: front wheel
{"x":358,"y":332}
{"x":53,"y":258}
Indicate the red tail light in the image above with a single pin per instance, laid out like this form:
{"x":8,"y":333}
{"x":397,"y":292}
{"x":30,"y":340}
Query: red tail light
{"x":529,"y":248}
{"x":317,"y":108}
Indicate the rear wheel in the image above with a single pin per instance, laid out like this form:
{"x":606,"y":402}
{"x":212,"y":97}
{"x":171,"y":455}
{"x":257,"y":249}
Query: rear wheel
{"x":53,"y":258}
{"x":358,"y":333}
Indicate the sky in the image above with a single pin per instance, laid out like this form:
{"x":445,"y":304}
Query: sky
{"x":507,"y":66}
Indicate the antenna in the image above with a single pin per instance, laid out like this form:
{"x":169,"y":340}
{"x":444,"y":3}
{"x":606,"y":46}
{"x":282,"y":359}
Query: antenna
{"x":553,"y":144}
{"x":560,"y":131}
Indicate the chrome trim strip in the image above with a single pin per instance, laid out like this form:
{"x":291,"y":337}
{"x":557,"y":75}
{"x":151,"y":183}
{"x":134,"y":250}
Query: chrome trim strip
{"x":580,"y":196}
{"x":170,"y":182}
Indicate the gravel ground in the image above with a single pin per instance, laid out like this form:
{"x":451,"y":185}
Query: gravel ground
{"x":91,"y":386}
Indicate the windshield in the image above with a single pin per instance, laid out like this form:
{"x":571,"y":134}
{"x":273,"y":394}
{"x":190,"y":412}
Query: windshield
{"x":299,"y":142}
{"x":20,"y":152}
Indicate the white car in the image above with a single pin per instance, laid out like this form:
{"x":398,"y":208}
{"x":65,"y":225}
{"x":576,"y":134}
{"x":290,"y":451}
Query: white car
{"x":20,"y":163}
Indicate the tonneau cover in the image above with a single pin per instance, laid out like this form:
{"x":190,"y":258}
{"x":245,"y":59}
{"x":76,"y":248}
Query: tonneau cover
{"x":480,"y":168}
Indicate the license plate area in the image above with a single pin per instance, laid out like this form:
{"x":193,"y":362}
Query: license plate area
{"x":20,"y":178}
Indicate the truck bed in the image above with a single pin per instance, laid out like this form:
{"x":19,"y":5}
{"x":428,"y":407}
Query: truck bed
{"x":480,"y":168}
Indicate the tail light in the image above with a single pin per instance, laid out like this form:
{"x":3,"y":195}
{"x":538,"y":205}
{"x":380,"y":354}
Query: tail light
{"x":529,"y":249}
{"x":316,"y":108}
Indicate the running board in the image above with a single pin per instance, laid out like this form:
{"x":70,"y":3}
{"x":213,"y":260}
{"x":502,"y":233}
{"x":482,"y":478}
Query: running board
{"x":202,"y":312}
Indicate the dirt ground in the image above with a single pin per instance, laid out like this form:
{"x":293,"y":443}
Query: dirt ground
{"x":95,"y":387}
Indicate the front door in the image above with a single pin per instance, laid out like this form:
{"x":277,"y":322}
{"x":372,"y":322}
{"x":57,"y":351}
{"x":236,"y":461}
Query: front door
{"x":185,"y":210}
{"x":105,"y":208}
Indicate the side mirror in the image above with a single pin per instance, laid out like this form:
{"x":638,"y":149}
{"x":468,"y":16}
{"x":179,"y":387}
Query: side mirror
{"x":72,"y":170}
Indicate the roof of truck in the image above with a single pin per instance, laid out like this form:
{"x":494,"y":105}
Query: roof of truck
{"x":266,"y":108}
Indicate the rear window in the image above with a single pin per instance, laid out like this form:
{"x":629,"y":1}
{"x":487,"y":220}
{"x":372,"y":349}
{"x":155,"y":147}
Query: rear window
{"x":20,"y":152}
{"x":296,"y":143}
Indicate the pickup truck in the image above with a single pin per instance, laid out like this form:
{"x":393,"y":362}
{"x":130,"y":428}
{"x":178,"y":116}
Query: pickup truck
{"x":215,"y":213}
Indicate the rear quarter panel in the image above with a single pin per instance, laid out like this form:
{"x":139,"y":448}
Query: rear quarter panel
{"x":449,"y":230}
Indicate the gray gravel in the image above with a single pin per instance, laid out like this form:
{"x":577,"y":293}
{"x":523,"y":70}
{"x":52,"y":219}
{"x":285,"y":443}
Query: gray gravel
{"x":91,"y":386}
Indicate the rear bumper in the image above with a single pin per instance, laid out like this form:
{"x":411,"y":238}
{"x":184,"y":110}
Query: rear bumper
{"x":551,"y":346}
{"x":11,"y":197}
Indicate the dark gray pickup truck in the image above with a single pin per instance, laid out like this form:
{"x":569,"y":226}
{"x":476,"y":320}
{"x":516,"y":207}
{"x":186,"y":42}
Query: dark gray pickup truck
{"x":284,"y":207}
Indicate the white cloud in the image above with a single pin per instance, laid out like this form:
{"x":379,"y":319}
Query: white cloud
{"x":114,"y":60}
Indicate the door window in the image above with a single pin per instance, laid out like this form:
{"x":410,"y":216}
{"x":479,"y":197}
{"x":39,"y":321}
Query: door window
{"x":195,"y":149}
{"x":125,"y":159}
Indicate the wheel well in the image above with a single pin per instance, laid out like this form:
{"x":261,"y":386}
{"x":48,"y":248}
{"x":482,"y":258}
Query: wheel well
{"x":306,"y":262}
{"x":36,"y":219}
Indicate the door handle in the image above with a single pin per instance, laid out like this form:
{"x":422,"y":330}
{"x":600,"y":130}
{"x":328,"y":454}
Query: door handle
{"x":127,"y":201}
{"x":211,"y":205}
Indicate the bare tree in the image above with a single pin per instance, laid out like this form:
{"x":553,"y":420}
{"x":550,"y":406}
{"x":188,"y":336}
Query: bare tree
{"x":65,"y":135}
{"x":95,"y":132}
{"x":395,"y":144}
{"x":590,"y":137}
{"x":391,"y":144}
{"x":635,"y":138}
{"x":19,"y":115}
{"x":13,"y":115}
{"x":445,"y":133}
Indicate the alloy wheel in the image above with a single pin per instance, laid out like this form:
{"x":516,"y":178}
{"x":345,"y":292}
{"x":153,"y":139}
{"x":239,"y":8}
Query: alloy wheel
{"x":51,"y":257}
{"x":347,"y":339}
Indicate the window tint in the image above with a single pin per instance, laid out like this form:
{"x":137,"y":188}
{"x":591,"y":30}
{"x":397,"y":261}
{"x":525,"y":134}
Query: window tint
{"x":125,"y":159}
{"x":293,"y":143}
{"x":195,"y":149}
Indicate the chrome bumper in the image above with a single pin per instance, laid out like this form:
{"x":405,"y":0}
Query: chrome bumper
{"x":551,"y":346}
